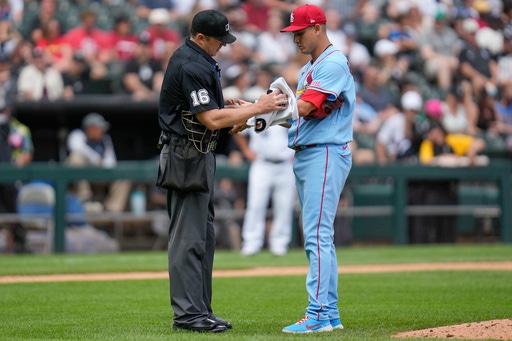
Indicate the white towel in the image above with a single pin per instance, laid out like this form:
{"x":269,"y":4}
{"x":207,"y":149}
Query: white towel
{"x":263,"y":121}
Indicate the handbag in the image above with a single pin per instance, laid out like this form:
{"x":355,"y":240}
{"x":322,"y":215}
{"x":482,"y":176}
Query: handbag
{"x":183,"y":169}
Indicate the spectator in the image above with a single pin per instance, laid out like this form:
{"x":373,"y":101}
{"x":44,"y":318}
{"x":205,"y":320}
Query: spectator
{"x":334,"y":32}
{"x":400,"y":34}
{"x":459,"y":111}
{"x":488,"y":117}
{"x":392,"y":68}
{"x":92,"y":146}
{"x":368,"y":24}
{"x":237,"y":24}
{"x":349,"y":10}
{"x":275,"y":48}
{"x":226,"y":224}
{"x":39,"y":80}
{"x":366,"y":124}
{"x":145,"y":7}
{"x":184,"y":9}
{"x":238,"y":54}
{"x":356,"y":52}
{"x":439,"y":48}
{"x":54,"y":44}
{"x":123,"y":40}
{"x":463,"y":10}
{"x":91,"y":41}
{"x":400,"y":135}
{"x":504,"y":109}
{"x":274,"y":164}
{"x":143,"y":74}
{"x":258,"y":13}
{"x":504,"y":103}
{"x":488,"y":120}
{"x":80,"y":77}
{"x":505,"y":59}
{"x":12,"y":10}
{"x":163,"y":40}
{"x":376,"y":94}
{"x":9,"y":38}
{"x":464,"y":147}
{"x":237,"y":81}
{"x":263,"y":78}
{"x":47,"y":12}
{"x":16,"y":148}
{"x":476,"y":64}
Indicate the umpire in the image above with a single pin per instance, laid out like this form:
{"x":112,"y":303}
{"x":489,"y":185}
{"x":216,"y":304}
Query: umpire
{"x":191,"y":112}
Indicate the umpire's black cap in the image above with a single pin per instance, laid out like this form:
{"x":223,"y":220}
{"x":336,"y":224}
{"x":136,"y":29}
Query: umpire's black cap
{"x":214,"y":24}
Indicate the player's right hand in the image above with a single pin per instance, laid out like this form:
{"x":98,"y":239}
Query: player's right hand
{"x":272,"y":101}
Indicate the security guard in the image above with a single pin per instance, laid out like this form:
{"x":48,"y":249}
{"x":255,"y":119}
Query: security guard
{"x":191,"y":112}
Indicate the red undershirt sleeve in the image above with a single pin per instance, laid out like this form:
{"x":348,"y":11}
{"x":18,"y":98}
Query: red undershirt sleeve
{"x":316,"y":98}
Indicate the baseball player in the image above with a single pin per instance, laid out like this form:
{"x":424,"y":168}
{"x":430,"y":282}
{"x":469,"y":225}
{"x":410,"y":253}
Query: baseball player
{"x":325,"y":100}
{"x":191,"y":111}
{"x":270,"y":177}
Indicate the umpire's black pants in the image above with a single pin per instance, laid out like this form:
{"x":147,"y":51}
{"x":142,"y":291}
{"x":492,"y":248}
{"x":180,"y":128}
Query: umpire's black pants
{"x":191,"y":249}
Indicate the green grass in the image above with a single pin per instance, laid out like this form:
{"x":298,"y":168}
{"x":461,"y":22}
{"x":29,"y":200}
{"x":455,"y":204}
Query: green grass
{"x":157,"y":261}
{"x":373,"y":306}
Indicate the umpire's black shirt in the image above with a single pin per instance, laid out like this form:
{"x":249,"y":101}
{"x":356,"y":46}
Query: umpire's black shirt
{"x":191,"y":83}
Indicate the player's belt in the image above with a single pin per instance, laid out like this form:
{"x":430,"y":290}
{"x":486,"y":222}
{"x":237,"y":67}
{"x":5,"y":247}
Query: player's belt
{"x":305,"y":146}
{"x":275,"y":161}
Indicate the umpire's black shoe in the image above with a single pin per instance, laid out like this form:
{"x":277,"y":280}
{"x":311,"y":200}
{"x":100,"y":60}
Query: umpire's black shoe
{"x":206,"y":325}
{"x":221,"y":321}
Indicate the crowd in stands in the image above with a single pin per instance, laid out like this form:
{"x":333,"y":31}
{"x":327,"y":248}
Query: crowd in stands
{"x":456,"y":52}
{"x":417,"y":64}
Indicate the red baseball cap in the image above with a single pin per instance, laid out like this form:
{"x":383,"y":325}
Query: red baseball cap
{"x":305,"y":16}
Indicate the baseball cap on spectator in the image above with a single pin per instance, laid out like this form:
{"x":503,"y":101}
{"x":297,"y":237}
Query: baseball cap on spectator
{"x":144,"y":37}
{"x":440,"y":15}
{"x":95,"y":119}
{"x":411,"y":100}
{"x":233,"y":72}
{"x":159,"y":16}
{"x":213,"y":23}
{"x":482,"y":6}
{"x":385,"y":47}
{"x":434,"y":108}
{"x":470,"y":25}
{"x":305,"y":16}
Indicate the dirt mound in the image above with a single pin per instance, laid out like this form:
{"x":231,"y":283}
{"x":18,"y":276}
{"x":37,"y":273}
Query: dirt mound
{"x":486,"y":330}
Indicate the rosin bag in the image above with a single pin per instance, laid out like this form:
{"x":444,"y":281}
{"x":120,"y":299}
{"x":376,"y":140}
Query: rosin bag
{"x":263,"y":121}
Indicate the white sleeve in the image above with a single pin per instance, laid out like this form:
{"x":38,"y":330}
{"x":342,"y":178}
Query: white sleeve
{"x":77,"y":144}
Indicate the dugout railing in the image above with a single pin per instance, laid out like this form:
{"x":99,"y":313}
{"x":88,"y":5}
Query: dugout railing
{"x":145,"y":171}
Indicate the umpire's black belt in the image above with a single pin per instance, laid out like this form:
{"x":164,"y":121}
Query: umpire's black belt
{"x":166,"y":136}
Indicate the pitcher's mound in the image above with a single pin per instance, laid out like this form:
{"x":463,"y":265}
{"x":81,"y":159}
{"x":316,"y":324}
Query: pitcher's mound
{"x":487,"y":330}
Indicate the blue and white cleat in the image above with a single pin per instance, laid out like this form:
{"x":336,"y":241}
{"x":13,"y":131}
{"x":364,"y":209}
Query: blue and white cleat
{"x":309,"y":325}
{"x":336,"y":324}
